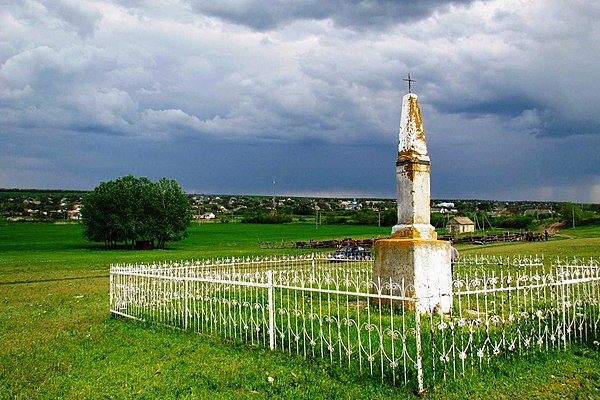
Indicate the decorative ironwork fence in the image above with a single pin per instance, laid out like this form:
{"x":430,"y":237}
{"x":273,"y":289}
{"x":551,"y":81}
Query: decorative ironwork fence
{"x":307,"y":305}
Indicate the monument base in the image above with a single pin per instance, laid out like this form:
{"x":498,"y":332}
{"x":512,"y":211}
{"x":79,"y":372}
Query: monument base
{"x":414,"y":231}
{"x":422,"y":266}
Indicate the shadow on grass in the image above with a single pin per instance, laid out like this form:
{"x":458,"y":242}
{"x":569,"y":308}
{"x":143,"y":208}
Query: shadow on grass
{"x":55,"y":279}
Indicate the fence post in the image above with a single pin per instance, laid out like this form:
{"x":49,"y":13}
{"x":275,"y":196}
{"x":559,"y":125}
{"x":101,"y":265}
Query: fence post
{"x":185,"y":317}
{"x":419,"y":355}
{"x":564,"y":307}
{"x":271,"y":310}
{"x":111,"y":295}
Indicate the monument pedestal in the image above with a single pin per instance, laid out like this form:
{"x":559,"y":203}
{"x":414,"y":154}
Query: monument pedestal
{"x":424,"y":267}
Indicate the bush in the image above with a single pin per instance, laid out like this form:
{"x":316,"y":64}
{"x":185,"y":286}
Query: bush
{"x":266,"y":218}
{"x":513,"y":222}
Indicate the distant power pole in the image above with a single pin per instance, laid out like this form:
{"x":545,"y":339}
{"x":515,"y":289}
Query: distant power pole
{"x":273,"y":192}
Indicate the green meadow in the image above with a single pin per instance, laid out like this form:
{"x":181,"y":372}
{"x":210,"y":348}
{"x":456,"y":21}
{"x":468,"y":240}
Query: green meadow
{"x":59,"y":341}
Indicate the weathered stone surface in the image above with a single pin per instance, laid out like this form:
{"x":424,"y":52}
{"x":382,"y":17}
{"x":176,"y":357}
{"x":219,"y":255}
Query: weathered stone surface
{"x":413,"y":257}
{"x":411,"y":141}
{"x":422,"y":266}
{"x":412,"y":173}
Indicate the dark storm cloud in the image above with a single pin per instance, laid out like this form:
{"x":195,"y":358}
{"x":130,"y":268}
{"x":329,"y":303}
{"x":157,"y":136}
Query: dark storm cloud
{"x":227,"y":96}
{"x":510,"y":105}
{"x":356,"y":14}
{"x":523,"y":112}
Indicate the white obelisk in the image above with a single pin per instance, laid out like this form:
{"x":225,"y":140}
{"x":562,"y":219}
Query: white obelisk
{"x":413,"y":256}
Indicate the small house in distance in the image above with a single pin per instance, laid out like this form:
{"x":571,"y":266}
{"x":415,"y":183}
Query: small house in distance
{"x":457,"y":225}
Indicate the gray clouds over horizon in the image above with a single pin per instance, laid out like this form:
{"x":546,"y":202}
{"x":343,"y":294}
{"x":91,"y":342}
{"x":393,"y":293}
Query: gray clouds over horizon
{"x":353,"y":14}
{"x":227,"y":96}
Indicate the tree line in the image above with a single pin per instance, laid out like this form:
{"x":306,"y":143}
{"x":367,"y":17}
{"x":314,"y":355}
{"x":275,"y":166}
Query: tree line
{"x":130,"y":210}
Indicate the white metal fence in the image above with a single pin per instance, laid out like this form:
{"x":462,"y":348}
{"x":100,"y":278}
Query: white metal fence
{"x":306,"y":305}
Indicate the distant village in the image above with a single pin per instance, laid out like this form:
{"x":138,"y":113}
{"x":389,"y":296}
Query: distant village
{"x":457,"y":216}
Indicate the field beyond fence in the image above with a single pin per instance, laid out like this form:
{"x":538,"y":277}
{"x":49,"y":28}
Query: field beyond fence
{"x":503,"y":307}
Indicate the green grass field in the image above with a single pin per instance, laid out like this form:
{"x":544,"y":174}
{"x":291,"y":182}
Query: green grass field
{"x":59,"y":341}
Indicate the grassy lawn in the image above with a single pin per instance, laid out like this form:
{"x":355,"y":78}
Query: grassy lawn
{"x":58,"y":340}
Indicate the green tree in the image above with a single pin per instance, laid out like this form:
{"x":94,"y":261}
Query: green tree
{"x":365,"y":217}
{"x":578,"y":215}
{"x":303,"y":207}
{"x":389,"y":217}
{"x":131,"y":209}
{"x":170,"y":212}
{"x":571,"y":214}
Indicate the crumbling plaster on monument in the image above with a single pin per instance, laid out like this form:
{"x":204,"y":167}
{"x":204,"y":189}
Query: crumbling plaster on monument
{"x":413,"y":256}
{"x":412,"y":136}
{"x":413,"y":194}
{"x":413,"y":169}
{"x":414,"y":231}
{"x":418,"y":265}
{"x":416,"y":119}
{"x":411,"y":165}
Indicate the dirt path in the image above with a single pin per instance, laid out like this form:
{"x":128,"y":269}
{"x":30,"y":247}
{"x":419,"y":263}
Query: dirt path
{"x":552,"y":228}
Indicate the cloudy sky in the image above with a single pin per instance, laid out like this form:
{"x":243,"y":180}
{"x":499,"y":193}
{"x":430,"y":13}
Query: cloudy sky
{"x":228,"y":96}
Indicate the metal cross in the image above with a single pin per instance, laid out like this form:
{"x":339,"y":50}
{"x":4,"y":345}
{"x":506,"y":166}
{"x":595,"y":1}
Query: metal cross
{"x":409,"y":81}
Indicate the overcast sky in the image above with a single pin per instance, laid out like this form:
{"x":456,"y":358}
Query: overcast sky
{"x":228,"y":96}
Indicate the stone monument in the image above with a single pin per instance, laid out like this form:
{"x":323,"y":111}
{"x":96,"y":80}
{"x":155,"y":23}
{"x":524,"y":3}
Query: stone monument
{"x":413,"y":255}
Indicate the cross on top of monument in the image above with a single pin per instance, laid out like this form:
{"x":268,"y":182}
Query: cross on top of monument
{"x":409,"y":82}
